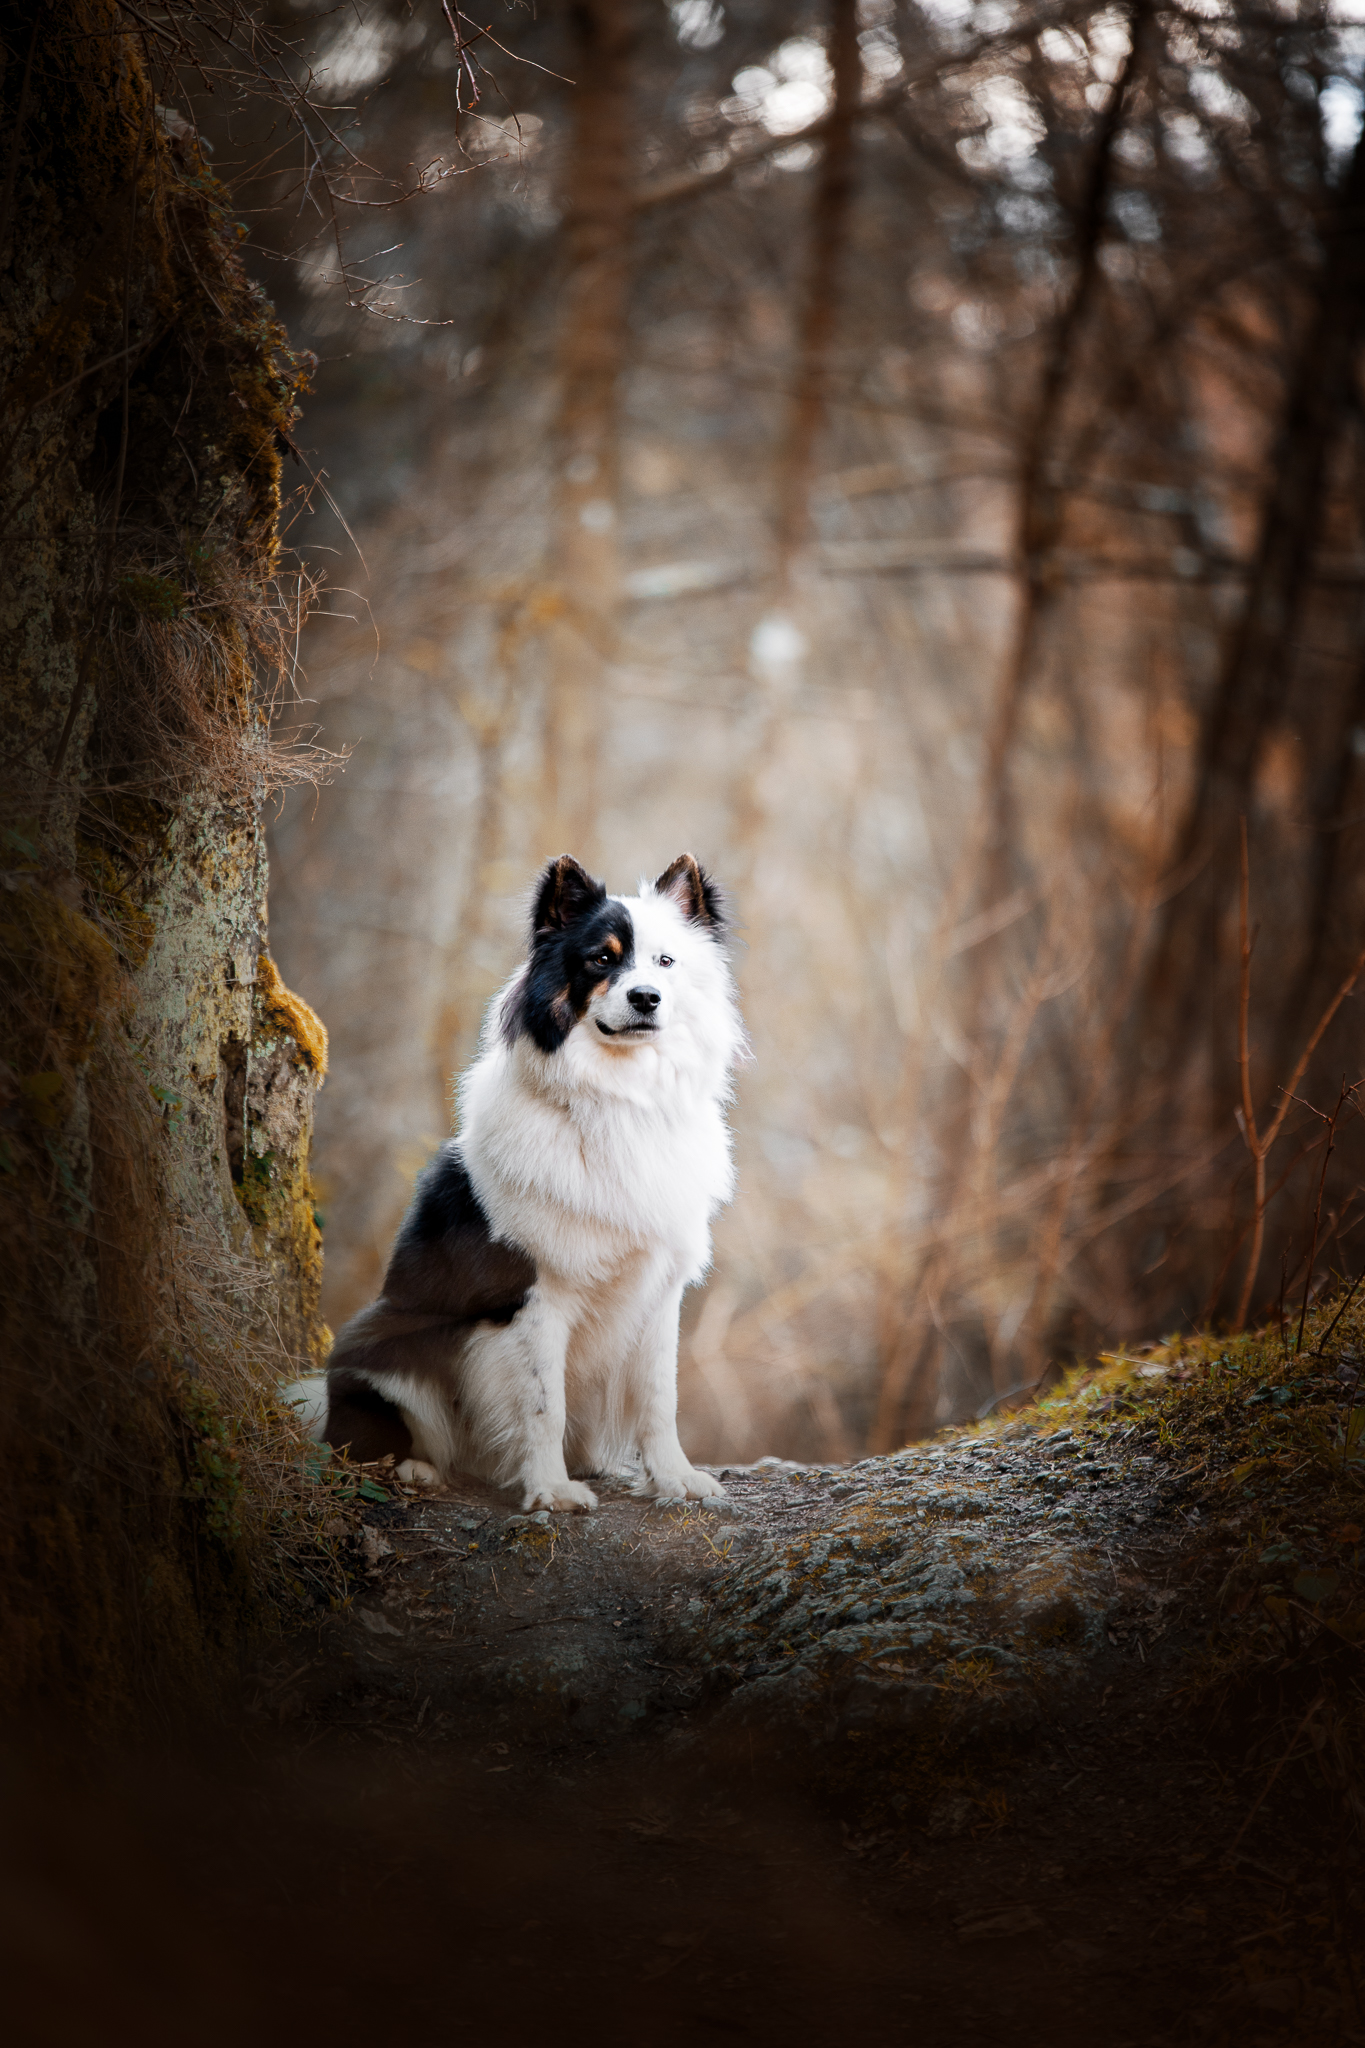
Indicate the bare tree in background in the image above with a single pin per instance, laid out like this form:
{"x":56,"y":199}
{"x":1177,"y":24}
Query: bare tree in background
{"x":598,"y":187}
{"x":832,"y":200}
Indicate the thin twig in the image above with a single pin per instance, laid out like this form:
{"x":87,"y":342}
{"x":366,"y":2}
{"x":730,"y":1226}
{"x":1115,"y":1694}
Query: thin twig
{"x":1320,"y":1347}
{"x":1259,"y":1143}
{"x":943,"y":64}
{"x":1270,"y":1784}
{"x":1328,"y":1150}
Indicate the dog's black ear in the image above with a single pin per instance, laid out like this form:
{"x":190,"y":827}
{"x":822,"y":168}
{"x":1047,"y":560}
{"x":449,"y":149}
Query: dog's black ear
{"x":564,"y":891}
{"x":695,"y":894}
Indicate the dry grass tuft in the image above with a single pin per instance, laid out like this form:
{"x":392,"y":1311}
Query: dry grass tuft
{"x":197,"y":676}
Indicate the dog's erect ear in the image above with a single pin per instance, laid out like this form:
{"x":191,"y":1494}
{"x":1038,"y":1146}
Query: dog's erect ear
{"x":691,"y":888}
{"x":564,"y":891}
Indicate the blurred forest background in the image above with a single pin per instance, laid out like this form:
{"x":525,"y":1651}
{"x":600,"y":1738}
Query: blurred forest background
{"x":910,"y":455}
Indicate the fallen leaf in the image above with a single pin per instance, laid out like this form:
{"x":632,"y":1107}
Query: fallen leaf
{"x":378,"y":1624}
{"x":999,"y":1926}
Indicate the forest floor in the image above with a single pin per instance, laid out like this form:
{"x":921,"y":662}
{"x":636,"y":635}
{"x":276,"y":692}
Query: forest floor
{"x":1000,"y":1739}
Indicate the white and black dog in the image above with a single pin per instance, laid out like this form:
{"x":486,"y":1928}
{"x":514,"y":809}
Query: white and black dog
{"x":528,"y":1327}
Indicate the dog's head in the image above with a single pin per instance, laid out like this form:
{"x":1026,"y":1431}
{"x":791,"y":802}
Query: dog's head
{"x":627,"y":968}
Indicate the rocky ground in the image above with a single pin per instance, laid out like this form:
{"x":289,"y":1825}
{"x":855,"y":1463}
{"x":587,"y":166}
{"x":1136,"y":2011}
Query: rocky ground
{"x":932,"y":1749}
{"x":910,"y":1740}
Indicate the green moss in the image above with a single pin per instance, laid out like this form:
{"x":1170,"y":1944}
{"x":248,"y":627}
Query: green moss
{"x":60,"y":981}
{"x":257,"y":1191}
{"x":1262,"y":1445}
{"x":215,"y":1474}
{"x":112,"y":903}
{"x":150,"y":597}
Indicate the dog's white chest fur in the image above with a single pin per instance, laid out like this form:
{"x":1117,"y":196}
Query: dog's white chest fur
{"x":584,"y":1178}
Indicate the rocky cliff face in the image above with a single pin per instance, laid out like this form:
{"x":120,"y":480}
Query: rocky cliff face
{"x":157,"y":1084}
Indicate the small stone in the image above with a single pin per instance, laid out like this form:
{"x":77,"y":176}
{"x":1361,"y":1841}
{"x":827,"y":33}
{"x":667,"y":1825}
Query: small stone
{"x":1083,"y":1954}
{"x":1011,"y":1920}
{"x":1274,"y":1994}
{"x":378,"y":1624}
{"x":949,"y":1817}
{"x":993,"y":1653}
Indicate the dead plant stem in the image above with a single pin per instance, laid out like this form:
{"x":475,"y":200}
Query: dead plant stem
{"x":79,"y":687}
{"x":1269,"y":1786}
{"x":1328,"y":1150}
{"x":1259,"y":1144}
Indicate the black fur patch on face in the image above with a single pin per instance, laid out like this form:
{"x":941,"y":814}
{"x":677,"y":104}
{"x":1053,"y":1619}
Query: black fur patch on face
{"x":699,"y":899}
{"x":580,"y":939}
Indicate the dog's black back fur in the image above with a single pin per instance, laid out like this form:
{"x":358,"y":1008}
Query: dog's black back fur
{"x":448,"y":1272}
{"x":445,"y":1260}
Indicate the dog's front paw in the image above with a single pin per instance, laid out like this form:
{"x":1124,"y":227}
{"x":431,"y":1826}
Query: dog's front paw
{"x":569,"y":1495}
{"x":684,"y":1483}
{"x":417,"y":1472}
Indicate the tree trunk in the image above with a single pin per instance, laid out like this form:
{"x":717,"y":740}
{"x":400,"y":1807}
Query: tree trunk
{"x":162,"y":1257}
{"x":1182,"y":1000}
{"x":829,"y":236}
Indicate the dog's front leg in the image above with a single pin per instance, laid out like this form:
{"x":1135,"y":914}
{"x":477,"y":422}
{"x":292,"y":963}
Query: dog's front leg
{"x":668,"y":1474}
{"x":515,"y":1388}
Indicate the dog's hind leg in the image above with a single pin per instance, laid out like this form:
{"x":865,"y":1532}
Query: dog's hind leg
{"x":653,"y":1373}
{"x":513,"y":1390}
{"x":393,"y":1392}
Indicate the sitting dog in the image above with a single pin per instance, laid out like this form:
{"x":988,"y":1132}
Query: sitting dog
{"x":528,"y":1327}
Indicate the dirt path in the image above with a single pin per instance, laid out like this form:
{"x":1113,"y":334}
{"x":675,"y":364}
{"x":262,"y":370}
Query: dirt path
{"x":897,"y":1751}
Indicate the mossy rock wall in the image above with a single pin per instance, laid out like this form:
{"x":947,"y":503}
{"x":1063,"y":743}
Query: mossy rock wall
{"x":156,"y":1083}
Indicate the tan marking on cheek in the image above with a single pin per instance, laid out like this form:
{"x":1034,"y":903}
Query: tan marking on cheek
{"x":600,"y":989}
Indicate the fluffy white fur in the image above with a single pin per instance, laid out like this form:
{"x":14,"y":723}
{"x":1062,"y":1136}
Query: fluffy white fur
{"x":606,"y":1161}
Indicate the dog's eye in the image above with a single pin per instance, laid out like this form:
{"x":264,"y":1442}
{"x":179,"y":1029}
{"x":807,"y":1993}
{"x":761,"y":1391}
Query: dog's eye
{"x":602,"y":960}
{"x":665,"y":959}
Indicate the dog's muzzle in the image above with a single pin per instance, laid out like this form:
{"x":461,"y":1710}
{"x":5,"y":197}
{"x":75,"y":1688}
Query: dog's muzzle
{"x":644,"y":1001}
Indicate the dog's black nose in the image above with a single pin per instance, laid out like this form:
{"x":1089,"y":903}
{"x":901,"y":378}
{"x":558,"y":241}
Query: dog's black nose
{"x":645,"y":1000}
